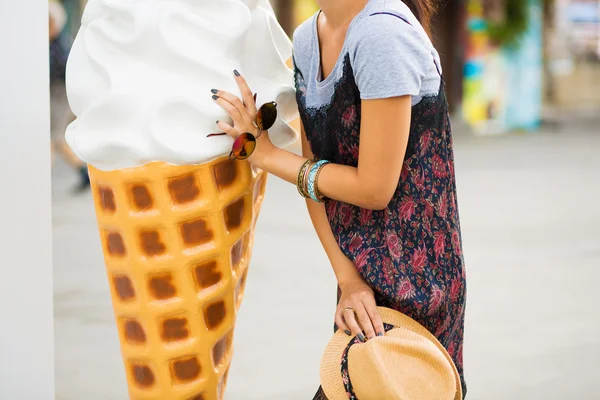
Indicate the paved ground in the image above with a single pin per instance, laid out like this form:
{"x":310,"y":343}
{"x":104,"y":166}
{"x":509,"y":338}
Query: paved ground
{"x":530,"y":217}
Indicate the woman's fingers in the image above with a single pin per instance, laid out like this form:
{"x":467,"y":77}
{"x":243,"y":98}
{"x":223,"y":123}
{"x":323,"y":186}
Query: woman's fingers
{"x":247,"y":96}
{"x":340,"y":323}
{"x":352,"y":323}
{"x":234,"y":112}
{"x":228,"y":129}
{"x":364,"y":320}
{"x":374,"y":316}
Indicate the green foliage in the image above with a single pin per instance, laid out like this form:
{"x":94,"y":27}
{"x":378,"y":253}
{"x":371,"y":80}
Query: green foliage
{"x":516,"y":21}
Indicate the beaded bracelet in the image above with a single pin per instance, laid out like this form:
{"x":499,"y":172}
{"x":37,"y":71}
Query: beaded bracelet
{"x":300,"y":183}
{"x":318,"y":195}
{"x":312,"y":183}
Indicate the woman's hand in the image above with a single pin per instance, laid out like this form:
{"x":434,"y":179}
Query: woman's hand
{"x":243,"y":114}
{"x":357,"y":311}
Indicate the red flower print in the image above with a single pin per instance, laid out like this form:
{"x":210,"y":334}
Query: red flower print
{"x":439,"y":166}
{"x":365,"y":216}
{"x":349,"y":116}
{"x":424,"y":141}
{"x":407,"y":207}
{"x":355,"y":243}
{"x":442,"y":328}
{"x":361,"y":260}
{"x":452,"y":349}
{"x":459,"y":355}
{"x":388,"y":270}
{"x":450,"y":167}
{"x":443,"y":204}
{"x":437,"y":295}
{"x":404,"y":173}
{"x":455,"y":288}
{"x":439,"y":243}
{"x":354,"y":151}
{"x":419,"y":259}
{"x":345,"y":213}
{"x":394,"y":245}
{"x":456,"y":242}
{"x":420,"y":180}
{"x":331,"y":207}
{"x":406,"y":290}
{"x":429,"y":209}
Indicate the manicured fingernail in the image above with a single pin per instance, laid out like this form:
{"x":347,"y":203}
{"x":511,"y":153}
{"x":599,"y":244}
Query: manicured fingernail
{"x":347,"y":332}
{"x":215,"y":91}
{"x":255,"y":94}
{"x":236,"y":73}
{"x":217,"y":122}
{"x":361,"y":337}
{"x":215,"y":97}
{"x":380,"y":334}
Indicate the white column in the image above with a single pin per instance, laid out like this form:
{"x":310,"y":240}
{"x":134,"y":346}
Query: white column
{"x":26,"y":312}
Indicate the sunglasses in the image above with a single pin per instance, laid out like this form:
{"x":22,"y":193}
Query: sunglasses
{"x":245,"y":144}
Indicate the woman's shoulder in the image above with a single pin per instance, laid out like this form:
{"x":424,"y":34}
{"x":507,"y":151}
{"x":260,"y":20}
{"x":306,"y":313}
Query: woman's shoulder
{"x":388,"y":20}
{"x":304,"y":35}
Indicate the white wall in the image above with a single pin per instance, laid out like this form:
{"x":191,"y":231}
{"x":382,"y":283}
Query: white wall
{"x":26,"y":326}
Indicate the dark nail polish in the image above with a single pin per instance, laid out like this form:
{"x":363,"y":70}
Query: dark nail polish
{"x":236,"y":73}
{"x":380,"y":334}
{"x":255,"y":94}
{"x":361,"y":337}
{"x":217,"y":122}
{"x":214,"y":91}
{"x":347,"y":332}
{"x":215,"y":97}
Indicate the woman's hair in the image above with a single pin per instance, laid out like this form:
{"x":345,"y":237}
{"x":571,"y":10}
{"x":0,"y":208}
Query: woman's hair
{"x":423,"y":10}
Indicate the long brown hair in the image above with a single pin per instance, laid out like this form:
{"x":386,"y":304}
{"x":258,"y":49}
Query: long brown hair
{"x":423,"y":10}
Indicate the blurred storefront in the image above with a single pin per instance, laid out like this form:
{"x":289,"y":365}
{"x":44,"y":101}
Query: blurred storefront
{"x":503,"y":82}
{"x":573,"y":54}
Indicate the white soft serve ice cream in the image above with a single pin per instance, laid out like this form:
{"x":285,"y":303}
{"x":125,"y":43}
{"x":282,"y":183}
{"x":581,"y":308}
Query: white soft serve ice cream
{"x":140,"y":73}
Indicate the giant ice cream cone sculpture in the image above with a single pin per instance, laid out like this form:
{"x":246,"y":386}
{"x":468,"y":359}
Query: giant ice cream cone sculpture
{"x":176,"y":217}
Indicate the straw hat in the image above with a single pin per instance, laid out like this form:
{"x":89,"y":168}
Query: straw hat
{"x":407,"y":363}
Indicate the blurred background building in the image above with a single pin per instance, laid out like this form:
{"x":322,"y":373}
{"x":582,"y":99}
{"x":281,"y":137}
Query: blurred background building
{"x":509,"y":64}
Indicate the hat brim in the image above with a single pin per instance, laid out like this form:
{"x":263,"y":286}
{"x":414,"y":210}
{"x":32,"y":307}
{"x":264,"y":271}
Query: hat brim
{"x":331,"y":377}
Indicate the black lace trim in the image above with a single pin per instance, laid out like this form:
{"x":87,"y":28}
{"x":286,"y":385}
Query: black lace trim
{"x":330,"y":139}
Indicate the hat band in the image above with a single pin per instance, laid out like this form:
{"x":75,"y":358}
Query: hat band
{"x":344,"y":365}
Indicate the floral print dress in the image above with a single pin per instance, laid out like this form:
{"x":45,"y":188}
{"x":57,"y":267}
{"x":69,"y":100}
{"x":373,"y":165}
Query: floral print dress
{"x":410,"y":253}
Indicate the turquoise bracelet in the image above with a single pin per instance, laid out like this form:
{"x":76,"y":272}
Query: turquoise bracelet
{"x":311,"y":179}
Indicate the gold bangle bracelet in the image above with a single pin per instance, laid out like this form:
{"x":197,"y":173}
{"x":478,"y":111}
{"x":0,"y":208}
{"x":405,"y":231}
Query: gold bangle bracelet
{"x":300,"y":180}
{"x":319,"y":196}
{"x":305,"y":179}
{"x":300,"y":177}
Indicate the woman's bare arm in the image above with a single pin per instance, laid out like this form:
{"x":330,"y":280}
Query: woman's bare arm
{"x":384,"y":132}
{"x":355,"y":292}
{"x":344,"y":269}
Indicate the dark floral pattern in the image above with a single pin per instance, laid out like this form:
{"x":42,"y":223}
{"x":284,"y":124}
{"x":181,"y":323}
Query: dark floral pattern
{"x":411,"y":252}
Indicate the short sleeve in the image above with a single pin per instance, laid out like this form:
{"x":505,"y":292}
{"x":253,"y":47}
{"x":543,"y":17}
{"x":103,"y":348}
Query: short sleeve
{"x":390,"y":57}
{"x":302,"y":47}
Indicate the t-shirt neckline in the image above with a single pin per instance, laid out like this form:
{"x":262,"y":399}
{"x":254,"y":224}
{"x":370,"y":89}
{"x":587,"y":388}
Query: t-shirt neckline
{"x":317,"y":50}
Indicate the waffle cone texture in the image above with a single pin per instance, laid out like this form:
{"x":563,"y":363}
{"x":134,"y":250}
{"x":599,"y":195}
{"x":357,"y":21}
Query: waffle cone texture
{"x":177,"y":241}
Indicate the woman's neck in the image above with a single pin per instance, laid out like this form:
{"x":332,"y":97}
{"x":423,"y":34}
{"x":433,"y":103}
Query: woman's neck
{"x":339,"y":13}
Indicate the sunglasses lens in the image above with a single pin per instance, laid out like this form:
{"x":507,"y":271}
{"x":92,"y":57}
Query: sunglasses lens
{"x":267,"y":115}
{"x":244,"y":146}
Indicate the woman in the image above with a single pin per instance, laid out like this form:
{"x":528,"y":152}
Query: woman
{"x":373,"y":109}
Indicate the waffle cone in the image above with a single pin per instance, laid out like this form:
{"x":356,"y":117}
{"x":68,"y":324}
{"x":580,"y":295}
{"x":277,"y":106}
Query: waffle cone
{"x":177,"y":241}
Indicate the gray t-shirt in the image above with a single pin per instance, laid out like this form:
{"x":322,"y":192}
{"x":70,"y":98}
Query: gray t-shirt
{"x":389,"y":51}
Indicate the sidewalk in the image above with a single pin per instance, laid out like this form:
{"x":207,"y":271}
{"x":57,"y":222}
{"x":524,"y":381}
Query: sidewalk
{"x":530,"y":217}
